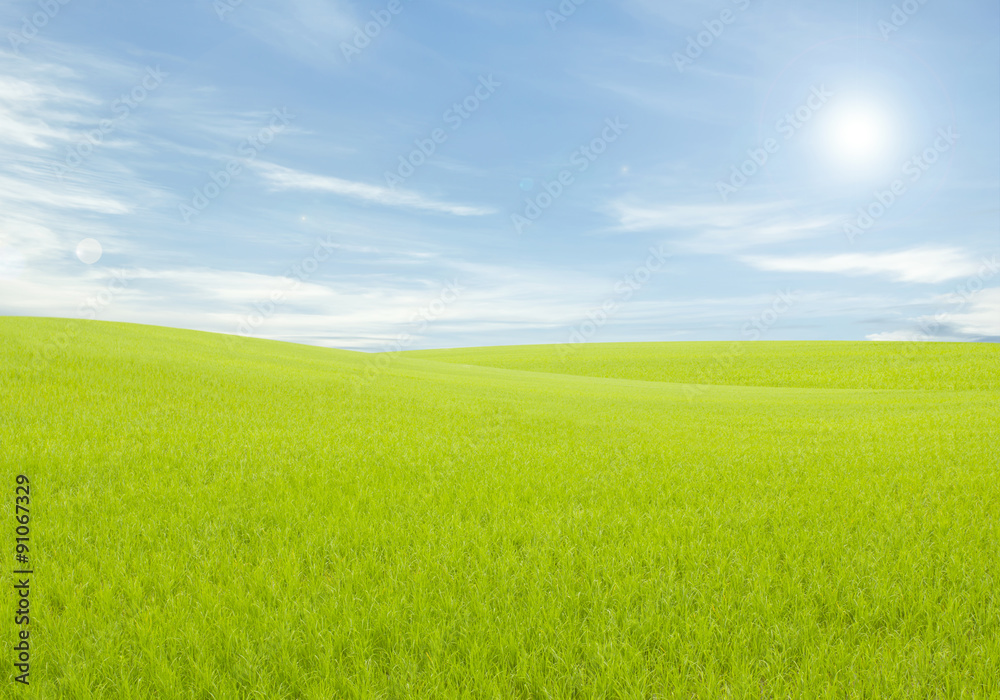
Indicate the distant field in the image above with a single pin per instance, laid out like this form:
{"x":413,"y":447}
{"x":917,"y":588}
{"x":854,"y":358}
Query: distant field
{"x":832,"y":365}
{"x":230,"y":518}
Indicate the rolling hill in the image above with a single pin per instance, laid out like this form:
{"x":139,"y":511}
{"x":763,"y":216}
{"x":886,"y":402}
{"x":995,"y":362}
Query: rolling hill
{"x":225,"y":517}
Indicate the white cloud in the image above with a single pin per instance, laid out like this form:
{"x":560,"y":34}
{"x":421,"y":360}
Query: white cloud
{"x":909,"y":336}
{"x":356,"y":311}
{"x":961,"y":315}
{"x":34,"y":111}
{"x":926,"y":265}
{"x":288,"y":179}
{"x":982,"y":317}
{"x":645,"y":217}
{"x":21,"y":191}
{"x":717,"y":228}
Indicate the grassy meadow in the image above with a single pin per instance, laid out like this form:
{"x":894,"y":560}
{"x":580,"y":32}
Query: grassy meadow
{"x":218,"y":517}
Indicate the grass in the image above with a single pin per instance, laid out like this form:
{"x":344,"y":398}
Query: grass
{"x":220,"y":517}
{"x":821,"y":365}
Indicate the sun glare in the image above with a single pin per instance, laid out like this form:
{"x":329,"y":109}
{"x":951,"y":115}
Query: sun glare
{"x":858,"y":135}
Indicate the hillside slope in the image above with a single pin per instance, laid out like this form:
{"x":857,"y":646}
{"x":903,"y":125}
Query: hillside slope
{"x":842,"y":365}
{"x":216,"y":516}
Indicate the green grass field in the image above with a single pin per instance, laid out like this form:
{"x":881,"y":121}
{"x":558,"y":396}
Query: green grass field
{"x":229,"y":518}
{"x":785,"y":364}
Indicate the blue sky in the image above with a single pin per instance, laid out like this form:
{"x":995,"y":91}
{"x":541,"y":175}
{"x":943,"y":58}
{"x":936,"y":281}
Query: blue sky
{"x":396,"y":174}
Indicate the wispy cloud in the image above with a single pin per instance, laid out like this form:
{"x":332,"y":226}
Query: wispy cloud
{"x":354,"y":311}
{"x":982,"y":318}
{"x":722,"y":229}
{"x":926,"y":265}
{"x":21,"y":191}
{"x":975,"y":318}
{"x":282,"y":178}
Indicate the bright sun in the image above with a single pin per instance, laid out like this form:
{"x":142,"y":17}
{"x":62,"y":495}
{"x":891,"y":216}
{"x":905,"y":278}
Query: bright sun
{"x":858,"y":135}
